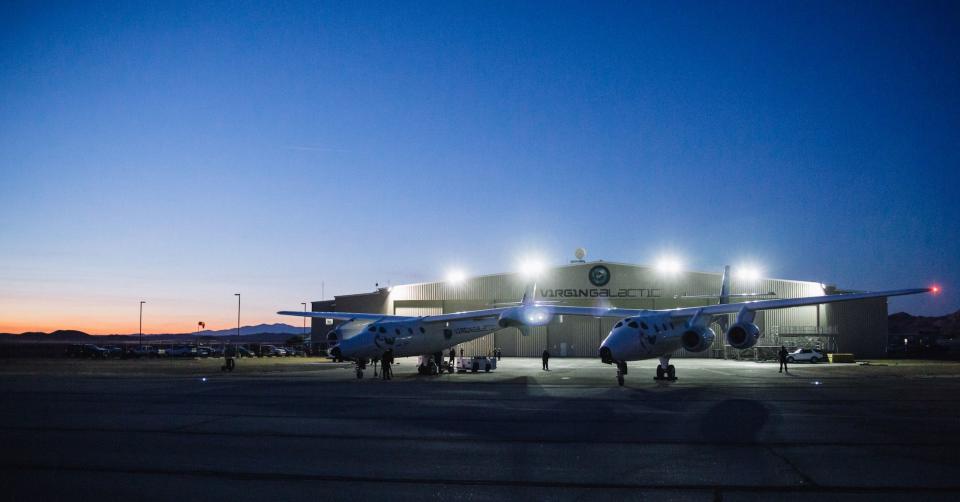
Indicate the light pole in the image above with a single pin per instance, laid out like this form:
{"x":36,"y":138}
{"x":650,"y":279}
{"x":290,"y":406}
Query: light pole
{"x":238,"y":316}
{"x":141,"y":322}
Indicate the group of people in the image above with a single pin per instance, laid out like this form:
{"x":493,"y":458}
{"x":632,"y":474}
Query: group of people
{"x":386,"y":365}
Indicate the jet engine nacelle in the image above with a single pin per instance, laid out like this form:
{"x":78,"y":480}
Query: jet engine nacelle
{"x":520,"y":317}
{"x":743,"y":335}
{"x":697,"y":339}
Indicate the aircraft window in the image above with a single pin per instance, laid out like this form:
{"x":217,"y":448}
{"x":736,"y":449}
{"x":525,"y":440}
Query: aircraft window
{"x":618,"y":324}
{"x":656,"y":327}
{"x":381,"y":329}
{"x":633,"y":324}
{"x":644,"y":325}
{"x":396,"y":330}
{"x":671,"y":326}
{"x":373,"y":329}
{"x":409,"y":331}
{"x":422,"y":330}
{"x":627,"y":320}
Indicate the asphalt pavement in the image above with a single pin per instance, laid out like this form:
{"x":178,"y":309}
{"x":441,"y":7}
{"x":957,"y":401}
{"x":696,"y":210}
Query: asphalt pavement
{"x":308,"y":429}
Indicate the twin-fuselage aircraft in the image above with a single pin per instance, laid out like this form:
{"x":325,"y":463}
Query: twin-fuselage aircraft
{"x":638,"y":333}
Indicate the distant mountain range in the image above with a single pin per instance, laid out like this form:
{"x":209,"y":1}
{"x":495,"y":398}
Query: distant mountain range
{"x":902,"y":322}
{"x":69,"y":334}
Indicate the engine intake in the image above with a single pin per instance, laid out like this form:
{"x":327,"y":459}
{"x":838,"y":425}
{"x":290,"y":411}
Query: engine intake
{"x":697,"y":339}
{"x":518,"y":317}
{"x":743,"y":335}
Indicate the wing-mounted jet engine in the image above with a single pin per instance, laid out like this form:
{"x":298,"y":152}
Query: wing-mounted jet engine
{"x":743,"y":335}
{"x":697,"y":338}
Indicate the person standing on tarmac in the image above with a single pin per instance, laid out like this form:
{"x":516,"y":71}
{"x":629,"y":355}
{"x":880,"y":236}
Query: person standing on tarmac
{"x":546,"y":360}
{"x":782,"y":356}
{"x":389,"y":367}
{"x":453,"y":356}
{"x":229,"y":354}
{"x":385,"y":365}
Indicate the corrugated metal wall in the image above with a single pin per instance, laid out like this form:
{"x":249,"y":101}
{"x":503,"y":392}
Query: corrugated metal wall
{"x":649,"y":289}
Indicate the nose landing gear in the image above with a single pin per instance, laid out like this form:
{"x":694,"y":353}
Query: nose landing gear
{"x":665,"y":370}
{"x":621,"y":371}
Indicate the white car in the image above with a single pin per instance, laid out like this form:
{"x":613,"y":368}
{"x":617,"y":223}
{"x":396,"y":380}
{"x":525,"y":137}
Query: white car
{"x":806,"y":355}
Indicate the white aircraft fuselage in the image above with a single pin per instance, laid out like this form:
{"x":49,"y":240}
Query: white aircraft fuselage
{"x":409,"y":337}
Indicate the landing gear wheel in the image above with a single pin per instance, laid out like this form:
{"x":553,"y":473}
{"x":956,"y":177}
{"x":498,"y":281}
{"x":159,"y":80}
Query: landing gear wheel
{"x":659,"y":373}
{"x":671,"y":373}
{"x":359,"y":373}
{"x":620,"y":378}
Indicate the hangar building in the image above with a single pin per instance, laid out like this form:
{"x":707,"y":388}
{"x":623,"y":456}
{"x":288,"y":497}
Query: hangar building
{"x":859,"y":326}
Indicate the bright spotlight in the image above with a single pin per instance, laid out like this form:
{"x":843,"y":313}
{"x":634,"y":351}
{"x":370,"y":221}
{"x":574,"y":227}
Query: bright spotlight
{"x":748,"y":273}
{"x":531,"y":268}
{"x":935,"y":289}
{"x":669,"y":265}
{"x":456,"y":277}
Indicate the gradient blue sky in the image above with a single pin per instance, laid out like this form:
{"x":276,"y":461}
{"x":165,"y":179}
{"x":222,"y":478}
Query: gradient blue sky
{"x":181,"y":152}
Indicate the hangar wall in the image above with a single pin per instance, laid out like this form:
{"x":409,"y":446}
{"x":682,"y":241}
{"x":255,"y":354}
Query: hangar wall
{"x":862,"y":325}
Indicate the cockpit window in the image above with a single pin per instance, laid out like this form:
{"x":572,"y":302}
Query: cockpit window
{"x":633,"y":324}
{"x":381,"y":329}
{"x":373,"y":329}
{"x":644,"y":325}
{"x":618,"y":324}
{"x":422,"y":330}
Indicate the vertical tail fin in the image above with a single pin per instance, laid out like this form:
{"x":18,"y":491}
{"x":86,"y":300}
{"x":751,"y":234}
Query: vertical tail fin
{"x":725,"y":286}
{"x":529,"y":294}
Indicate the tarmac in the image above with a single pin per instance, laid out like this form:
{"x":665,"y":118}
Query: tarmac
{"x":295,"y":428}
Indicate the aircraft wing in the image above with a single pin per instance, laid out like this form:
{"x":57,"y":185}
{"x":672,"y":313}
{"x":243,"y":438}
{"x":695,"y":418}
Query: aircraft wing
{"x":727,"y":308}
{"x":472,"y":314}
{"x":347,"y":316}
{"x":732,"y":308}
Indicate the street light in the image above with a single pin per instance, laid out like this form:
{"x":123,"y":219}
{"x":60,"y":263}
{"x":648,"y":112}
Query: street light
{"x":238,"y":316}
{"x":141,"y":322}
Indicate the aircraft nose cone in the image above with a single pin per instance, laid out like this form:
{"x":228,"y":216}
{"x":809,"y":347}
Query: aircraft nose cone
{"x":615,"y":346}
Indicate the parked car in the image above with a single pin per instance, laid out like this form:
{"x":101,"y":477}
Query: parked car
{"x":245,"y":352}
{"x":805,"y":355}
{"x":143,"y":351}
{"x":181,"y":351}
{"x":87,"y":350}
{"x":271,"y":351}
{"x":114,"y":351}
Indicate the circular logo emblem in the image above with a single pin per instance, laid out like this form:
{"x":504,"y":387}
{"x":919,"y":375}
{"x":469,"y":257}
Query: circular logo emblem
{"x":599,"y":276}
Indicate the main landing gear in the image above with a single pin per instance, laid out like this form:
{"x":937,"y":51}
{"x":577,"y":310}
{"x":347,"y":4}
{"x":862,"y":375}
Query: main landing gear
{"x":665,"y":370}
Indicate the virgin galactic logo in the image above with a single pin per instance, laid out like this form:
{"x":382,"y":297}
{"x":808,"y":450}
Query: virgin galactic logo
{"x":599,"y":276}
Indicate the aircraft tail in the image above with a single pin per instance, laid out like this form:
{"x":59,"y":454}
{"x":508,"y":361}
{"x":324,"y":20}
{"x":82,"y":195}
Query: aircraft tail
{"x":725,"y":286}
{"x":529,"y":294}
